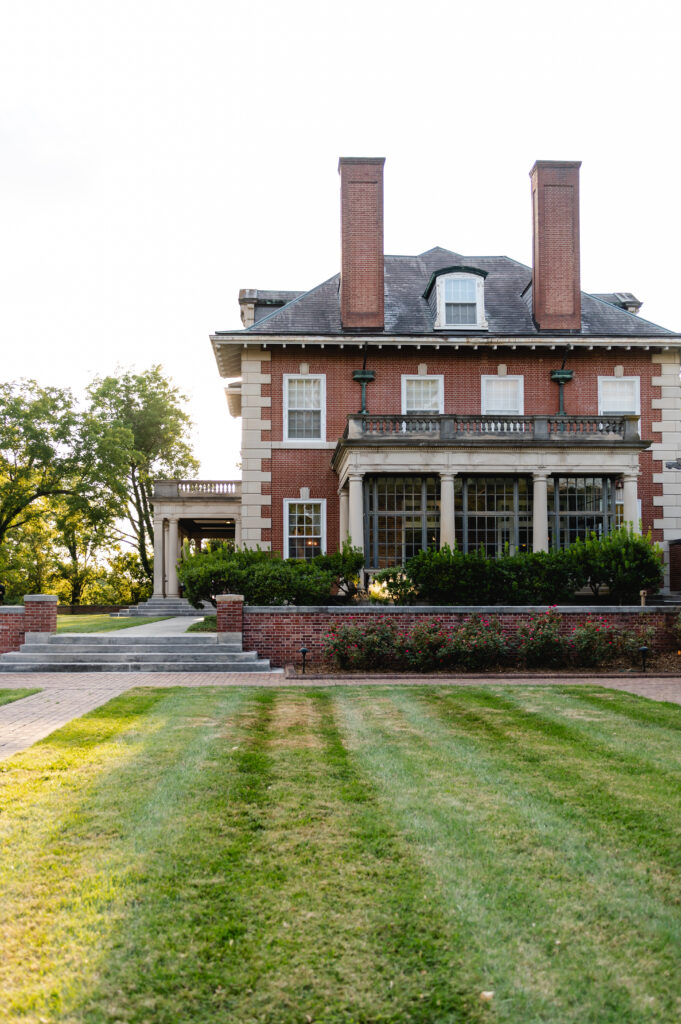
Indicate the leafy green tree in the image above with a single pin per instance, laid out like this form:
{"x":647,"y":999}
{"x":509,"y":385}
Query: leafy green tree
{"x":149,"y":411}
{"x":28,"y":564}
{"x":51,"y":452}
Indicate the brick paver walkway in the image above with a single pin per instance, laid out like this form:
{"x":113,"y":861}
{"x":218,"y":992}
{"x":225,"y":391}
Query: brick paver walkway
{"x":70,"y":695}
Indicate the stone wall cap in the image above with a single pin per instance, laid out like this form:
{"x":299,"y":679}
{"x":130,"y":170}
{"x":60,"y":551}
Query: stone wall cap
{"x":229,"y":597}
{"x":48,"y":598}
{"x":11,"y":609}
{"x":439,"y":609}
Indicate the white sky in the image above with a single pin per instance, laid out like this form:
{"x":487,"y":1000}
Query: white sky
{"x":158,"y":156}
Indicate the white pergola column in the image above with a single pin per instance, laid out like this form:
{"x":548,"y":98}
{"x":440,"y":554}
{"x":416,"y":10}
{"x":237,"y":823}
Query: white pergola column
{"x":159,"y":568}
{"x":356,"y":510}
{"x":447,"y":535}
{"x":172,"y":555}
{"x":343,"y":515}
{"x":540,"y":518}
{"x":630,"y":500}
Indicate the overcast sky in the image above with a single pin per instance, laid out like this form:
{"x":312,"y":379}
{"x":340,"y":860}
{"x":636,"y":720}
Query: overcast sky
{"x":158,"y":156}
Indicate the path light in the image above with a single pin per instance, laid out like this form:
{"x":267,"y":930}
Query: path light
{"x":303,"y":651}
{"x":643,"y":651}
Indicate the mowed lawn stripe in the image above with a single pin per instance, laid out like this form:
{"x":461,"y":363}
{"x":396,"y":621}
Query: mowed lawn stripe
{"x":290,"y":899}
{"x":568,"y":925}
{"x":83,"y":813}
{"x":237,"y":868}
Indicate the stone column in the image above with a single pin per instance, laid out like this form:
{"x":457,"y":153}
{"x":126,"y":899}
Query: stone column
{"x":356,"y":510}
{"x":172,"y":555}
{"x":447,"y":535}
{"x":237,"y":531}
{"x":540,"y":520}
{"x":159,"y":527}
{"x":344,"y":514}
{"x":630,"y":501}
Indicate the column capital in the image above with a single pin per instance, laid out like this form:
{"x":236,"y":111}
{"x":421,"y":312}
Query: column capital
{"x":540,"y":474}
{"x":355,"y":477}
{"x":447,"y":474}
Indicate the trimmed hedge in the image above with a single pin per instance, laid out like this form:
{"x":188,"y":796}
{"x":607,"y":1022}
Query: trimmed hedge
{"x":624,"y":563}
{"x":264,"y":578}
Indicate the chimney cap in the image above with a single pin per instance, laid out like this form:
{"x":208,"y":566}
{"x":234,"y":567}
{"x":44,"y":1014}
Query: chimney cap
{"x":360,"y":160}
{"x":554,"y":163}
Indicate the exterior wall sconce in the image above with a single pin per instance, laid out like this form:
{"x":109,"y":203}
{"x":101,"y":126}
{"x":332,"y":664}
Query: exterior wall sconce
{"x":561,"y":378}
{"x":364,"y":377}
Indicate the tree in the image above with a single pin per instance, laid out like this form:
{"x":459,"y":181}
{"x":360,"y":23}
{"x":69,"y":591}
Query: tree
{"x":50,"y":450}
{"x":149,"y":411}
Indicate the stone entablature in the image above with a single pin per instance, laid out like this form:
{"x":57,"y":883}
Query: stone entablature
{"x":190,"y":510}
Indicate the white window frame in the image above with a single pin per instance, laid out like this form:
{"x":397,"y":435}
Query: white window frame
{"x":305,"y":501}
{"x":480,"y":320}
{"x":439,"y":377}
{"x":303,"y":441}
{"x":518,"y":378}
{"x":637,"y":395}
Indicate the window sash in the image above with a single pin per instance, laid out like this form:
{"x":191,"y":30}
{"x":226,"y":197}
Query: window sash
{"x":502,"y":396}
{"x":618,"y":395}
{"x":304,"y":529}
{"x":304,"y":408}
{"x":422,"y":395}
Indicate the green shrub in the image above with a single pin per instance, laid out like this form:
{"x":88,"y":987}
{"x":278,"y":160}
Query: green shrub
{"x":365,"y":645}
{"x":593,"y":643}
{"x":480,"y":644}
{"x":540,"y":642}
{"x":624,"y":562}
{"x":267,"y":579}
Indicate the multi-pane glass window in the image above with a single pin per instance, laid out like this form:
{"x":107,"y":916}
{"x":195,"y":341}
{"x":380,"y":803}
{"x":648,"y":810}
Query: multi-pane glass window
{"x":501,"y":396}
{"x":304,"y":529}
{"x":461,"y":305}
{"x":303,"y":408}
{"x":619,"y":395}
{"x":493,"y":514}
{"x":422,"y":395}
{"x":402,"y":517}
{"x":579,"y":506}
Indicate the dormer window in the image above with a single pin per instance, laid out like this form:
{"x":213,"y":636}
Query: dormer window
{"x":457,"y":299}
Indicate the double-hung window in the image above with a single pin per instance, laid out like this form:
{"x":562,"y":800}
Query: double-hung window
{"x":502,"y":396}
{"x":304,"y":528}
{"x":423,"y":394}
{"x":457,"y":300}
{"x":304,"y":407}
{"x":619,"y":395}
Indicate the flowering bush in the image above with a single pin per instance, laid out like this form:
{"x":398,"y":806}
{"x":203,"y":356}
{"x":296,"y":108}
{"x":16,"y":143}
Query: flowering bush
{"x":540,"y":642}
{"x":593,"y":643}
{"x":480,"y":644}
{"x":370,"y":645}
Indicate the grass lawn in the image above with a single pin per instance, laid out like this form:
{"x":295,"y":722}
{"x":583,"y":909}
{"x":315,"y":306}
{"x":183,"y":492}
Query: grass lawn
{"x":208,"y":625}
{"x":346,"y":856}
{"x":101,"y":623}
{"x":7,"y":696}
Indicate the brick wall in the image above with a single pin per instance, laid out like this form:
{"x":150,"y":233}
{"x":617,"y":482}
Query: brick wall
{"x":296,"y":467}
{"x":279,"y":633}
{"x":38,"y":615}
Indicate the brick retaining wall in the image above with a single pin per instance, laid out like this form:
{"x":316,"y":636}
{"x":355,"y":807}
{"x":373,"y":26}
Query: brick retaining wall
{"x":37,"y":615}
{"x":278,"y":633}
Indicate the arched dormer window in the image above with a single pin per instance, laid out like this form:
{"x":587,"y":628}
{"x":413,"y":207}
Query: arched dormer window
{"x":456,"y":297}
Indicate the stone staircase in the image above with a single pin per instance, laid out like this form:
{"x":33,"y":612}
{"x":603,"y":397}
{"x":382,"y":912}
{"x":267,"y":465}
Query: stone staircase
{"x":165,"y":606}
{"x":90,"y":652}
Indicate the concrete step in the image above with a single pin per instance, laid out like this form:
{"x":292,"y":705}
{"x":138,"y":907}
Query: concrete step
{"x":171,"y":650}
{"x":89,"y":652}
{"x":133,"y":666}
{"x":164,"y":606}
{"x":124,"y":639}
{"x":53,"y":656}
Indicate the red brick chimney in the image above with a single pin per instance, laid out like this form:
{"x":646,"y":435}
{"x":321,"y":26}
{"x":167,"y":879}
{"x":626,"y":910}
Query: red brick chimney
{"x":361,"y":289}
{"x":556,"y":304}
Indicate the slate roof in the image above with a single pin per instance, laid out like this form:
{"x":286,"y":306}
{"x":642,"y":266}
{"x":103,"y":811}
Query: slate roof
{"x":508,"y":303}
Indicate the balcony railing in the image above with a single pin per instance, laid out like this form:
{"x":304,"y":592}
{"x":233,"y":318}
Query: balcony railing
{"x":197,"y":488}
{"x":493,"y":429}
